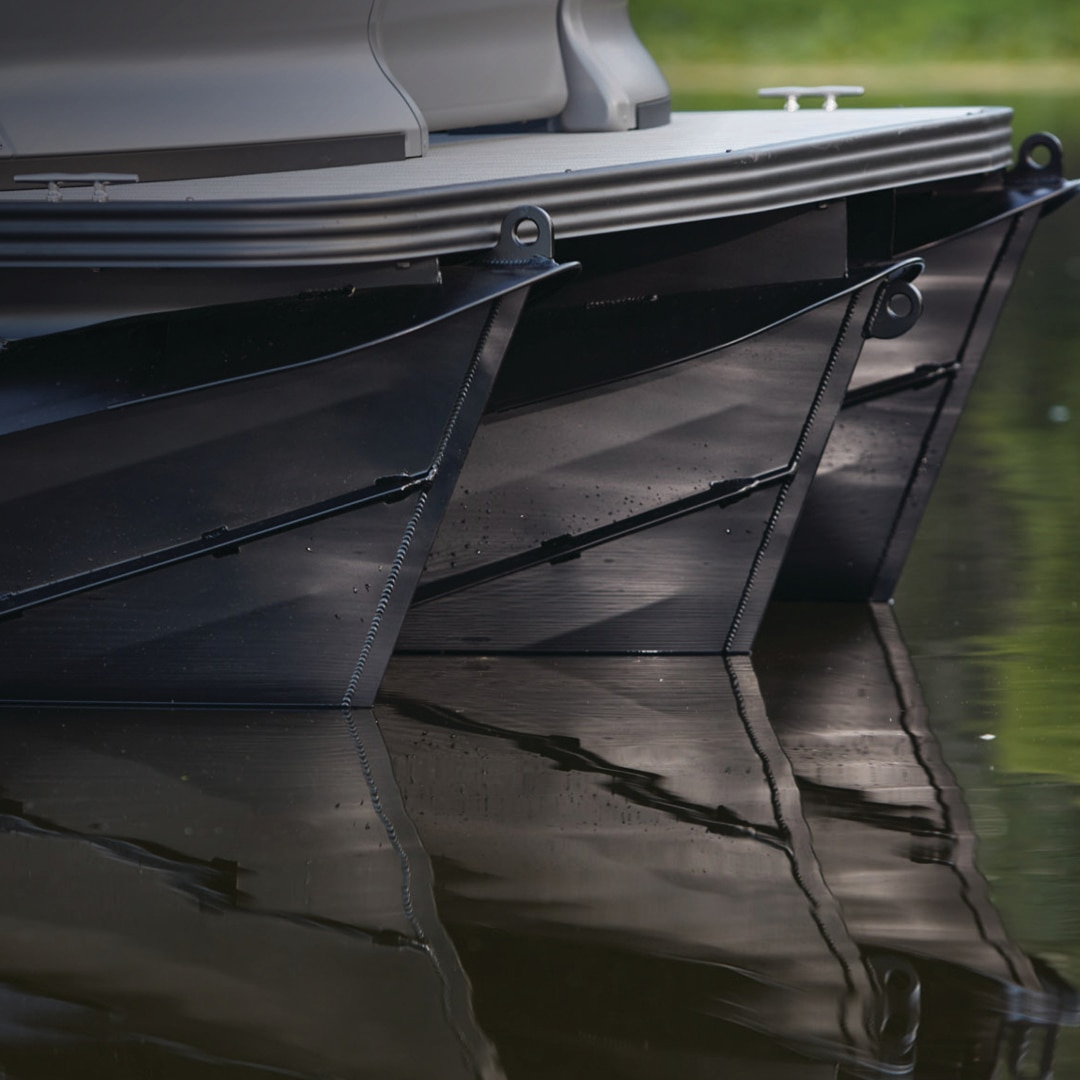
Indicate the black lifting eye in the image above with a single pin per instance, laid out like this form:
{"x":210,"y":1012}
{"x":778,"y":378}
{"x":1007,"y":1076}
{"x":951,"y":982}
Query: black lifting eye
{"x":897,"y":308}
{"x":1039,"y":160}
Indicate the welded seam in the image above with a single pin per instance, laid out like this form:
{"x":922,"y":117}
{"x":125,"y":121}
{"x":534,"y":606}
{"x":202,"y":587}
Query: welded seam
{"x":924,"y":446}
{"x":384,"y":600}
{"x":388,"y":827}
{"x":429,"y":946}
{"x":789,"y":848}
{"x":781,"y":498}
{"x":414,"y":520}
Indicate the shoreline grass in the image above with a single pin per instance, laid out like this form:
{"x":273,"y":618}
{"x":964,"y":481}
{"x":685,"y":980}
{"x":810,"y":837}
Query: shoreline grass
{"x":917,"y":31}
{"x":695,"y":77}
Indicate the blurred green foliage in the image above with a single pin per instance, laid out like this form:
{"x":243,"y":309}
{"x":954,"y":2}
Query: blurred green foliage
{"x":854,"y":30}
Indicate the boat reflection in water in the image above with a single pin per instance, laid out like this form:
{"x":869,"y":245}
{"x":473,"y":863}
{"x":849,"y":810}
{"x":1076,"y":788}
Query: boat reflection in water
{"x":217,"y":894}
{"x":659,"y":866}
{"x":572,"y":866}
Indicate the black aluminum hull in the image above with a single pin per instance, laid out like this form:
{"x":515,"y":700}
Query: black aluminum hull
{"x":636,"y":481}
{"x":907,"y":395}
{"x":644,"y":458}
{"x":186,"y":524}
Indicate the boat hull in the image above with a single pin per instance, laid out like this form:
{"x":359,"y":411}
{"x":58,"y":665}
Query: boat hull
{"x":228,"y":531}
{"x":640,"y":469}
{"x":637,"y":478}
{"x":906,"y":397}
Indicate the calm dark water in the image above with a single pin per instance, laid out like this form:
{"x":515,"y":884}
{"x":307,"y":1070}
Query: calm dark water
{"x":856,"y":854}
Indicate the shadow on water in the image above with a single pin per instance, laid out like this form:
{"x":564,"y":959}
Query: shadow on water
{"x":574,"y":866}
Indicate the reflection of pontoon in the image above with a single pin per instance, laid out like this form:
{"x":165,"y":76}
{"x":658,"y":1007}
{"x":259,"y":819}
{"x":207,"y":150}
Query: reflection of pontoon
{"x":646,"y":448}
{"x":625,"y":832}
{"x":893,"y":838}
{"x":184,"y":895}
{"x":671,"y":870}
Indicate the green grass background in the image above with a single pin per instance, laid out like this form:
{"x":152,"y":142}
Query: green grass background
{"x":745,"y":31}
{"x":712,"y":52}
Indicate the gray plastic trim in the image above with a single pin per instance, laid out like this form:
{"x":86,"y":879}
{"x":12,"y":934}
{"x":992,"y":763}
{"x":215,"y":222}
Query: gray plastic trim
{"x":474,"y":64}
{"x":654,"y":113}
{"x":230,"y":160}
{"x":79,"y":81}
{"x":703,"y":165}
{"x":608,"y":71}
